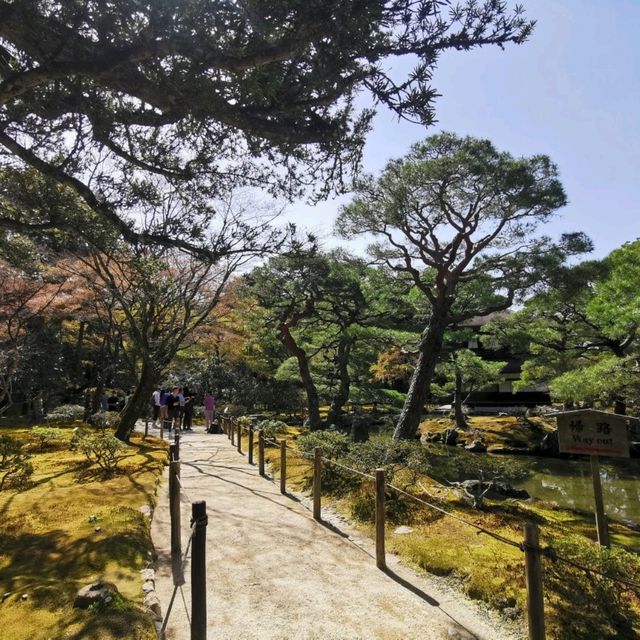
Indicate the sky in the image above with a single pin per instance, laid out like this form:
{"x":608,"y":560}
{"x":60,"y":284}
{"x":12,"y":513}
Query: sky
{"x":572,"y":91}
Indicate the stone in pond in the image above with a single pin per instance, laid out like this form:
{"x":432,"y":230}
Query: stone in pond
{"x":477,"y":446}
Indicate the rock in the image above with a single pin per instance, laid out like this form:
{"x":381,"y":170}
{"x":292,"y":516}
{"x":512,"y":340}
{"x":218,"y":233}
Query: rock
{"x":5,"y":595}
{"x":431,"y":437}
{"x":450,"y":437}
{"x":403,"y":530}
{"x":549,"y":444}
{"x":477,"y":446}
{"x":497,"y":490}
{"x":511,"y":613}
{"x":24,"y":596}
{"x":152,"y":602}
{"x":148,"y":586}
{"x":509,"y":451}
{"x":98,"y":529}
{"x":147,"y":574}
{"x":145,"y":510}
{"x":95,"y":592}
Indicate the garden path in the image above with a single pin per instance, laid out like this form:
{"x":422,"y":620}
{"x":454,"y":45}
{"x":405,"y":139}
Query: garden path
{"x":274,"y":573}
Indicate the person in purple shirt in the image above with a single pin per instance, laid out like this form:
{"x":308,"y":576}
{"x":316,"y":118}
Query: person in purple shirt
{"x":209,"y":404}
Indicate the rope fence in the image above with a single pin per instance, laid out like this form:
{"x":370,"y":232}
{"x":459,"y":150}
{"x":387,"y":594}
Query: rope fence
{"x":530,"y":546}
{"x":196,"y":544}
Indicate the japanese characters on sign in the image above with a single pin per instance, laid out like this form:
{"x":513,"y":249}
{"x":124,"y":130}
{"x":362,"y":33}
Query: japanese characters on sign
{"x":593,"y":433}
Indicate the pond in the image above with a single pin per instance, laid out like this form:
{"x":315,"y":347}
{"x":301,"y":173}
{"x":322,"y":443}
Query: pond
{"x":565,"y":482}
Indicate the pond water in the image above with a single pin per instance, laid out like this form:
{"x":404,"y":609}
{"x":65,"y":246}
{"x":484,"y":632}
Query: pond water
{"x":565,"y":482}
{"x":568,"y":483}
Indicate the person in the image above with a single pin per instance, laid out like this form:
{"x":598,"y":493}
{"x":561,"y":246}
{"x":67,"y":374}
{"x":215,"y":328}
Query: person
{"x":181,"y":394}
{"x":155,"y":406}
{"x":187,"y":415}
{"x":173,"y":408}
{"x":209,"y":404}
{"x":104,"y":402}
{"x":112,"y":402}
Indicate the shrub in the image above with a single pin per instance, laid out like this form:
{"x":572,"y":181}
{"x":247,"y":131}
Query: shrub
{"x":48,"y":437}
{"x":244,"y":421}
{"x":608,"y":609}
{"x":334,"y":445}
{"x":65,"y":413}
{"x":102,"y":449}
{"x":272,"y":428}
{"x":15,"y":467}
{"x":231,"y":409}
{"x":105,"y":419}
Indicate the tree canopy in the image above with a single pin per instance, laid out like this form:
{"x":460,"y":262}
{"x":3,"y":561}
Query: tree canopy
{"x":125,"y":102}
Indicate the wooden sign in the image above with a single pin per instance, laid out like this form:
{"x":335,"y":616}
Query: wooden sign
{"x":594,"y":433}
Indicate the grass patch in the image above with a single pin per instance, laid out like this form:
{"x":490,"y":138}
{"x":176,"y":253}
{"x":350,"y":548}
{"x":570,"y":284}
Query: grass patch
{"x":49,"y":545}
{"x":508,"y":431}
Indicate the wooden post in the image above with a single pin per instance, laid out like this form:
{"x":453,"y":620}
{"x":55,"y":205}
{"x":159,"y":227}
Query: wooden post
{"x":283,"y":467}
{"x":162,"y":429}
{"x":146,"y":425}
{"x":232,"y":432}
{"x":199,"y":571}
{"x":317,"y":482}
{"x":176,"y":442}
{"x":261,"y":452}
{"x":250,"y":456}
{"x":601,"y":518}
{"x":380,"y":516}
{"x":533,"y":571}
{"x":174,"y":500}
{"x":239,"y":437}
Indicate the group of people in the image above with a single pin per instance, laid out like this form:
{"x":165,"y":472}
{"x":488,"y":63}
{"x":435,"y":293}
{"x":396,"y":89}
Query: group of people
{"x":175,"y":408}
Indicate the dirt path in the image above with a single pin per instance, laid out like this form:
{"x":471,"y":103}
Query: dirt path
{"x":275,"y":573}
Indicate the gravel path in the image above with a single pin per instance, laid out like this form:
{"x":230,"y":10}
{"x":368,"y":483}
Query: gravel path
{"x":276,"y":574}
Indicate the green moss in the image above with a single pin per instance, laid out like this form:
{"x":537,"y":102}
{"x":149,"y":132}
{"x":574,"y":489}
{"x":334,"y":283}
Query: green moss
{"x":49,"y":545}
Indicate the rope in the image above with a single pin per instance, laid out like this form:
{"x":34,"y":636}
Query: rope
{"x":183,"y":491}
{"x":480,"y":529}
{"x":555,"y":557}
{"x":344,"y":466}
{"x":275,"y":443}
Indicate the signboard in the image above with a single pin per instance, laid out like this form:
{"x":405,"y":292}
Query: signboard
{"x":593,"y":433}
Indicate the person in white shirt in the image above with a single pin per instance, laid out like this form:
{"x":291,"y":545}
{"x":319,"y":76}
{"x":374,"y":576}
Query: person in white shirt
{"x":155,"y":402}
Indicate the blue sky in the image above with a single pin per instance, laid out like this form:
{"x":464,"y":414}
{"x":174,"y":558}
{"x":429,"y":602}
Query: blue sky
{"x":572,"y":92}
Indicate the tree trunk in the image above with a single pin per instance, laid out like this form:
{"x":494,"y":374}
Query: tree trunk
{"x":137,"y":402}
{"x":313,"y":401}
{"x":461,"y":420}
{"x":342,"y":394}
{"x":430,"y":348}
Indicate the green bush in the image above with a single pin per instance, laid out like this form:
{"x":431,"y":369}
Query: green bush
{"x":15,"y":466}
{"x":105,"y":419}
{"x":102,"y":449}
{"x":334,"y":445}
{"x":608,"y":609}
{"x":48,"y":437}
{"x":272,"y":428}
{"x":65,"y":413}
